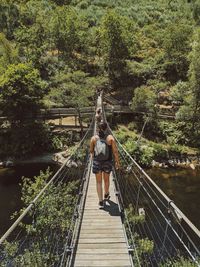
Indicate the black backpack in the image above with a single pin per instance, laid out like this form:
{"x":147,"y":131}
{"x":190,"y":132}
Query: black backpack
{"x":101,"y":150}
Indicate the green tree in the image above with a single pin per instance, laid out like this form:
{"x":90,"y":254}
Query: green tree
{"x":65,"y":27}
{"x":189,"y":111}
{"x":62,"y":2}
{"x":179,"y":92}
{"x":196,"y":11}
{"x":33,"y":35}
{"x":9,"y":17}
{"x":176,"y":46}
{"x":115,"y":44}
{"x":74,"y":89}
{"x":21,"y":92}
{"x":8,"y":54}
{"x":144,"y":99}
{"x":194,"y":78}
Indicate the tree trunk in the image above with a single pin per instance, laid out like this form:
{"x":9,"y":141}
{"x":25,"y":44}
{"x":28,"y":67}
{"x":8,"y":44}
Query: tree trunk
{"x":194,"y":118}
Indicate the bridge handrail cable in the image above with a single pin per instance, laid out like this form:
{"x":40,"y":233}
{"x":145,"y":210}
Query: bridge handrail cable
{"x":171,"y":204}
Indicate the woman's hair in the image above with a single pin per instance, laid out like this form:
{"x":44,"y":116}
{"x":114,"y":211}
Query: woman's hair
{"x":102,"y":129}
{"x":98,"y":110}
{"x":103,"y":126}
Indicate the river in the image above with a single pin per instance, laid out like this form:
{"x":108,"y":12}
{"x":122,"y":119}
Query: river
{"x":181,"y":185}
{"x":10,"y":189}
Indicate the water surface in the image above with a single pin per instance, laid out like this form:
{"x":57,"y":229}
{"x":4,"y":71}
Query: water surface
{"x":183,"y":187}
{"x":10,"y":189}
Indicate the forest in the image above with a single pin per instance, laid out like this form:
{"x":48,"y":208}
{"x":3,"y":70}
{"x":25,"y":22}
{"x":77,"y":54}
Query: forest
{"x":57,"y":53}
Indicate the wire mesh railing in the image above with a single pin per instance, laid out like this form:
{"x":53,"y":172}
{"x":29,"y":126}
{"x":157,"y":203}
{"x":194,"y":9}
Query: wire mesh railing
{"x":38,"y":236}
{"x":159,"y":234}
{"x":72,"y":242}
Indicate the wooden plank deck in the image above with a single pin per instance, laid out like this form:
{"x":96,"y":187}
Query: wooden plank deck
{"x":102,"y":241}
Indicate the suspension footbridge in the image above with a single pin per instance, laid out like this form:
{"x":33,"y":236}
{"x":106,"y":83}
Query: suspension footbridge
{"x":139,"y":225}
{"x":102,"y":239}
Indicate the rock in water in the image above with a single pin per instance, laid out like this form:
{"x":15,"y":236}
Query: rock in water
{"x":192,"y":166}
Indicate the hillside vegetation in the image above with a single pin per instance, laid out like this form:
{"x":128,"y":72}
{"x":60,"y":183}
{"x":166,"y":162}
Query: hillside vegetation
{"x":59,"y":52}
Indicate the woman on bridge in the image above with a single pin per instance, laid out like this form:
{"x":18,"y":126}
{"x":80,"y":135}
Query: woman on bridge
{"x":102,"y":147}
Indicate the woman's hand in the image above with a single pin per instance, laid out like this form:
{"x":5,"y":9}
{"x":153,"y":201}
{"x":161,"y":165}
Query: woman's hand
{"x":117,"y":165}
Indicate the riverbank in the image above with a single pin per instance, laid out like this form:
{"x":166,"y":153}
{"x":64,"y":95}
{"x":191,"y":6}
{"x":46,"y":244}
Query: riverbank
{"x":44,"y":158}
{"x":192,"y":163}
{"x":51,"y":158}
{"x":61,"y":139}
{"x":149,"y":153}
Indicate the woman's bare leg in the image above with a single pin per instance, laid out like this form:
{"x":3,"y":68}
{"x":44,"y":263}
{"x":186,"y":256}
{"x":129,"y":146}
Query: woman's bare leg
{"x":99,"y":185}
{"x":106,"y":177}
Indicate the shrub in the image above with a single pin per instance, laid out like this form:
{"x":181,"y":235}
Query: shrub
{"x":160,"y":151}
{"x":132,"y":148}
{"x":147,"y":155}
{"x":172,"y":132}
{"x":54,"y":213}
{"x":175,"y":150}
{"x":178,"y":263}
{"x":145,"y":245}
{"x":132,"y":126}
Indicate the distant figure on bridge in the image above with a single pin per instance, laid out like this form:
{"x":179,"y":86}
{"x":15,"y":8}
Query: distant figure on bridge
{"x":102,"y":149}
{"x":99,"y":91}
{"x":98,"y":116}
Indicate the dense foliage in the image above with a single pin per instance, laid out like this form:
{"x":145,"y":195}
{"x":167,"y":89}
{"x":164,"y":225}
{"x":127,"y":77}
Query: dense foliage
{"x":45,"y":228}
{"x":145,"y":151}
{"x":59,"y":52}
{"x":144,"y":52}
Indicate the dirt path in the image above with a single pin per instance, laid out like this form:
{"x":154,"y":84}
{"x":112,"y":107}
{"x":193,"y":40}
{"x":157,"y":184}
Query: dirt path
{"x":66,"y":121}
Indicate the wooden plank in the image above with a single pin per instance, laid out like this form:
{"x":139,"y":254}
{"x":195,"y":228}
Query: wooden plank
{"x":106,"y":223}
{"x":98,"y":227}
{"x":112,"y":212}
{"x":102,"y":220}
{"x":95,"y":203}
{"x":102,"y":246}
{"x":92,"y":189}
{"x":104,"y":263}
{"x":101,"y":231}
{"x":100,"y":216}
{"x":105,"y":240}
{"x":102,"y":251}
{"x":100,"y":256}
{"x":102,"y":235}
{"x":95,"y":213}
